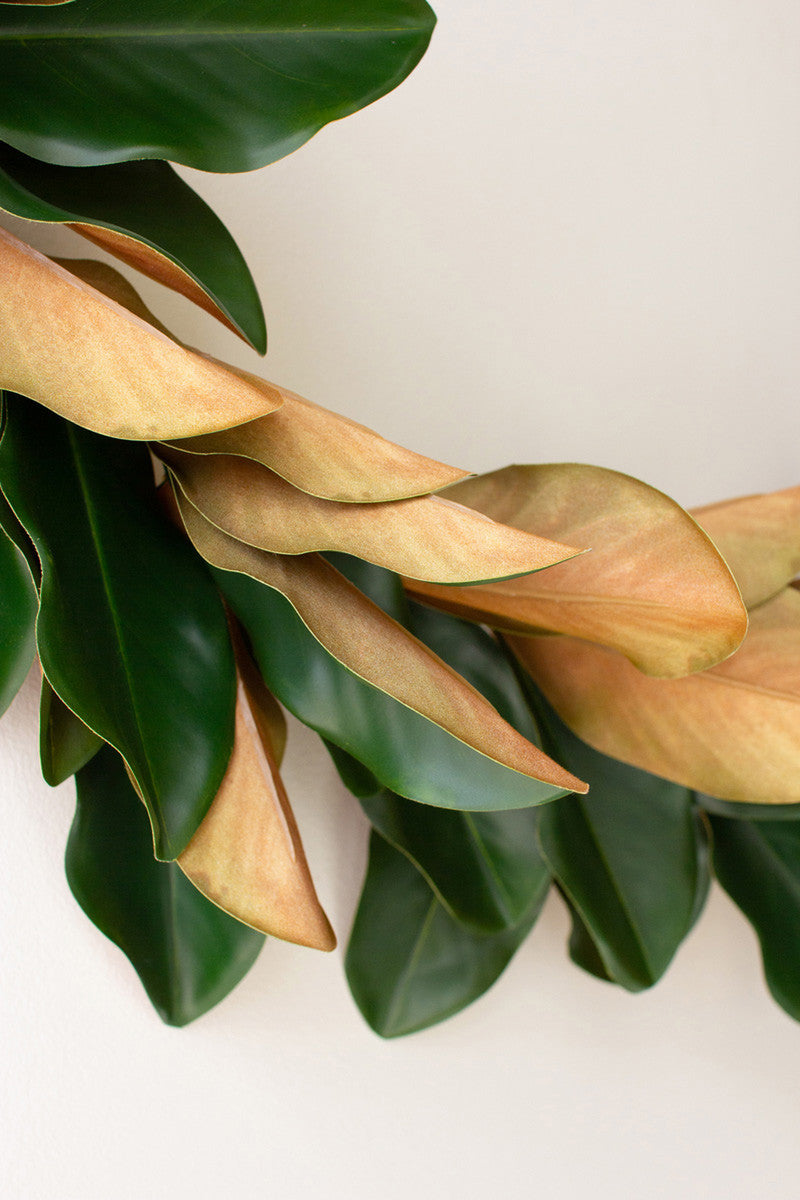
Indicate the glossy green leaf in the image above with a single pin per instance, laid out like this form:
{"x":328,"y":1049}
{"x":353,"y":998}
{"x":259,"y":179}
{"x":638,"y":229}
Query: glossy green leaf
{"x":188,"y":953}
{"x":177,"y":237}
{"x":18,"y":608}
{"x":627,"y":856}
{"x":131,"y":632}
{"x":409,"y":964}
{"x":758,"y":864}
{"x":582,"y":949}
{"x":220,"y":87}
{"x":65,"y":743}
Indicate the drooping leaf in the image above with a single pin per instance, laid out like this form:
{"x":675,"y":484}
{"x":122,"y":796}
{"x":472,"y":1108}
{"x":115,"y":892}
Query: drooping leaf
{"x":653,"y":587}
{"x":729,"y":732}
{"x":187,"y":952}
{"x":131,"y":631}
{"x":9,"y":523}
{"x":18,"y":607}
{"x":72,"y":349}
{"x":409,"y":964}
{"x":582,"y":948}
{"x":356,"y":677}
{"x":627,"y":856}
{"x":426,"y":536}
{"x":758,"y":864}
{"x":224,"y":88}
{"x":65,"y":743}
{"x":144,"y":214}
{"x":247,"y":855}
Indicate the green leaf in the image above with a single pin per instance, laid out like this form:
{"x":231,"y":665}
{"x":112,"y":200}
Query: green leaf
{"x":628,"y":856}
{"x":758,"y":864}
{"x":18,"y":608}
{"x":739,"y":811}
{"x":220,"y":87}
{"x":188,"y":953}
{"x":149,"y":202}
{"x":409,"y":964}
{"x":582,"y":949}
{"x":65,"y":743}
{"x":131,"y":633}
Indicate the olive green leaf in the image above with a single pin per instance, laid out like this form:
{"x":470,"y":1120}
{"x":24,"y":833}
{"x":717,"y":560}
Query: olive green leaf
{"x":653,"y":587}
{"x":187,"y":952}
{"x":131,"y":632}
{"x":758,"y":864}
{"x":627,"y":856}
{"x":18,"y":607}
{"x":145,"y":215}
{"x":220,"y":87}
{"x":361,"y":681}
{"x":65,"y":743}
{"x":409,"y":964}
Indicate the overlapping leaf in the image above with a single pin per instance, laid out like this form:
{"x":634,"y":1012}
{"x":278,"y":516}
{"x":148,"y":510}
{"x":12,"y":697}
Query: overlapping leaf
{"x":349,"y":672}
{"x":223,"y":88}
{"x":70,"y":348}
{"x":653,"y":586}
{"x":409,"y":964}
{"x":18,"y":608}
{"x":65,"y":743}
{"x":188,"y":953}
{"x":144,"y":214}
{"x":131,"y":632}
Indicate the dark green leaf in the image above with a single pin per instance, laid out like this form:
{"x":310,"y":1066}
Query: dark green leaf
{"x":221,"y":87}
{"x":18,"y":607}
{"x":65,"y":743}
{"x":627,"y":856}
{"x":749,"y":812}
{"x":582,"y":950}
{"x":147,"y":201}
{"x":188,"y":953}
{"x":409,"y":964}
{"x":131,"y":633}
{"x":758,"y":864}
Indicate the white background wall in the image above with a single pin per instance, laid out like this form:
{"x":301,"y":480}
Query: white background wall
{"x":574,"y":233}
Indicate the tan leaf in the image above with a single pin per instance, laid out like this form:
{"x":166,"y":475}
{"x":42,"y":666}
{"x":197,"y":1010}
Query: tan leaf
{"x":375,"y":648}
{"x":247,"y":856}
{"x":653,"y":587}
{"x":426,"y":537}
{"x":732,"y":731}
{"x":73,"y":349}
{"x":759,"y":538}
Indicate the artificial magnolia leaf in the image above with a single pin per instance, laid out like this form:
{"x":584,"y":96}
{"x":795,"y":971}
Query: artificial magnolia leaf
{"x":144,"y":214}
{"x":325,"y":454}
{"x":653,"y":587}
{"x":18,"y":607}
{"x":759,"y":537}
{"x":65,"y":743}
{"x":131,"y":632}
{"x":187,"y":952}
{"x":626,"y":856}
{"x":427,"y":537}
{"x":247,"y":855}
{"x":9,"y":524}
{"x":409,"y":964}
{"x":72,"y":349}
{"x":361,"y":681}
{"x":758,"y":864}
{"x":729,"y":732}
{"x":222,"y":88}
{"x":582,"y":950}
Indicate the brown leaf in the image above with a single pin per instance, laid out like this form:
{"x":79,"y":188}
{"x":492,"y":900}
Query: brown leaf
{"x":374,"y":647}
{"x":653,"y":587}
{"x":73,"y":349}
{"x":732,"y":731}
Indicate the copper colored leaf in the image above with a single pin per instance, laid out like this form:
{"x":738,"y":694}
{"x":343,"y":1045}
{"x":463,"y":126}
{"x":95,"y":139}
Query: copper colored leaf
{"x":426,"y":537}
{"x":653,"y":586}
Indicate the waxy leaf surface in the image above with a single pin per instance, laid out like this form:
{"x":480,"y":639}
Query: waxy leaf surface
{"x":361,"y":681}
{"x":222,"y":88}
{"x":72,"y":349}
{"x":409,"y":964}
{"x":65,"y":743}
{"x":145,"y":215}
{"x":18,"y":607}
{"x":653,"y":586}
{"x":426,"y":537}
{"x":187,"y":952}
{"x":131,"y":632}
{"x":729,"y":732}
